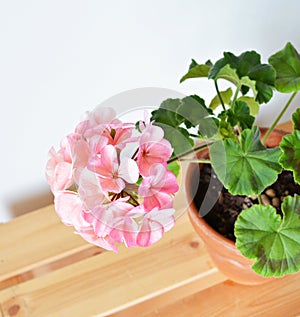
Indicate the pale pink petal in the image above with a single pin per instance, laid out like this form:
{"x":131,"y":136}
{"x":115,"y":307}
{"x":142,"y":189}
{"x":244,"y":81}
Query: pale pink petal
{"x":115,"y":185}
{"x":58,"y":172}
{"x":159,"y":200}
{"x":153,"y":153}
{"x":89,"y":190}
{"x":163,"y":180}
{"x":101,"y":219}
{"x":81,"y":154}
{"x":109,"y":160}
{"x":70,"y":209}
{"x":128,"y":170}
{"x":126,"y":231}
{"x":107,"y":164}
{"x":102,"y":115}
{"x":151,"y":133}
{"x":62,"y":176}
{"x":103,"y":242}
{"x":143,"y":237}
{"x":164,"y":216}
{"x":150,"y":232}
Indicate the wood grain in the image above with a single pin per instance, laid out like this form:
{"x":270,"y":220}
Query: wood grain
{"x":35,"y":239}
{"x":109,"y":282}
{"x":275,"y":299}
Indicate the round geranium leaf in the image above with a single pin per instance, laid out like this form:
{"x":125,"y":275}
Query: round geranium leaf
{"x":296,"y":119}
{"x":271,"y":241}
{"x":287,"y":65}
{"x":246,"y":167}
{"x":290,"y":157}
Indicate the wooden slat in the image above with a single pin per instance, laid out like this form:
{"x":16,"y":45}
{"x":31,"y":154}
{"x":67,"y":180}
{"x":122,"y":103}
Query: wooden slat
{"x":275,"y":299}
{"x":35,"y":239}
{"x":109,"y":282}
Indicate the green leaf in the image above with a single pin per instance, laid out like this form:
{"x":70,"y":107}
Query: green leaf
{"x":296,"y":119}
{"x":272,"y":242}
{"x":290,"y":157}
{"x":174,"y":167}
{"x":167,"y":112}
{"x":225,"y":95}
{"x":196,"y":70}
{"x":287,"y":65}
{"x":193,"y":112}
{"x":252,"y":104}
{"x":247,"y":167}
{"x":240,"y":114}
{"x":248,"y":68}
{"x":226,"y":130}
{"x":178,"y":137}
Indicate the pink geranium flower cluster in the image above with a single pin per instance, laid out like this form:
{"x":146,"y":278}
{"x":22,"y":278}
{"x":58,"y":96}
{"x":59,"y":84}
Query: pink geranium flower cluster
{"x":111,"y":182}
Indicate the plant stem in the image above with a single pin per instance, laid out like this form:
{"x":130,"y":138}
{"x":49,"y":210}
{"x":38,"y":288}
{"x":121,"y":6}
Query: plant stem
{"x":238,"y":88}
{"x":219,"y":95}
{"x":132,"y":198}
{"x":279,"y":116}
{"x":197,"y":148}
{"x":196,"y":161}
{"x":134,"y":154}
{"x":259,"y":199}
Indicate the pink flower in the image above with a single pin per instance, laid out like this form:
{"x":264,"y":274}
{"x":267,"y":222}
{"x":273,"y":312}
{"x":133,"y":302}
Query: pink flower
{"x":118,"y":133}
{"x":112,"y":175}
{"x":69,"y":207}
{"x":95,"y":181}
{"x":106,"y":242}
{"x":114,"y":220}
{"x":65,"y":165}
{"x":153,"y":148}
{"x":90,"y":191}
{"x":59,"y":167}
{"x":154,"y":224}
{"x":157,"y":187}
{"x":99,"y":117}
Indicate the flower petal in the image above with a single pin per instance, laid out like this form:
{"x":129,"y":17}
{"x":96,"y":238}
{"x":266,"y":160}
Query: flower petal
{"x":128,"y":170}
{"x":70,"y":209}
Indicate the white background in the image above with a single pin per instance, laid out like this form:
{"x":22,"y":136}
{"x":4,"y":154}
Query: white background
{"x":61,"y":58}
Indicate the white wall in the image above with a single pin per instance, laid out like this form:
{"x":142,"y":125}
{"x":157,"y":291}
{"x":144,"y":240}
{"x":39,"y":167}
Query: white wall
{"x":59,"y":58}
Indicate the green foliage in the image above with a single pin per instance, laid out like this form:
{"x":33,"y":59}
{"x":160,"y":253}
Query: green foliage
{"x":239,"y":158}
{"x":296,"y":119}
{"x":290,"y":146}
{"x":177,"y":116}
{"x":226,"y":130}
{"x":239,"y":114}
{"x":252,"y":104}
{"x":225,"y":95}
{"x":290,"y":158}
{"x":248,"y":71}
{"x":246,"y":167}
{"x":287,"y":65}
{"x":174,"y":167}
{"x":167,"y":112}
{"x":272,"y":241}
{"x":196,"y":70}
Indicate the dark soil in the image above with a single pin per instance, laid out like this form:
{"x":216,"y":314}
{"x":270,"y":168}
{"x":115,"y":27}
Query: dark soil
{"x":227,"y":207}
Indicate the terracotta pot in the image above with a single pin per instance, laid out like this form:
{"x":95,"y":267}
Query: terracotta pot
{"x":223,"y":252}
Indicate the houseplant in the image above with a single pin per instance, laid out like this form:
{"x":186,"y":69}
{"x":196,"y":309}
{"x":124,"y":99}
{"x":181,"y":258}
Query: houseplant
{"x":114,"y":182}
{"x":264,"y":223}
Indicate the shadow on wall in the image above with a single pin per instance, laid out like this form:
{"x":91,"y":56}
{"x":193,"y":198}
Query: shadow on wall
{"x":30,"y":203}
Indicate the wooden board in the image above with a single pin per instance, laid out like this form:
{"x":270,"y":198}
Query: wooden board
{"x":108,"y":282}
